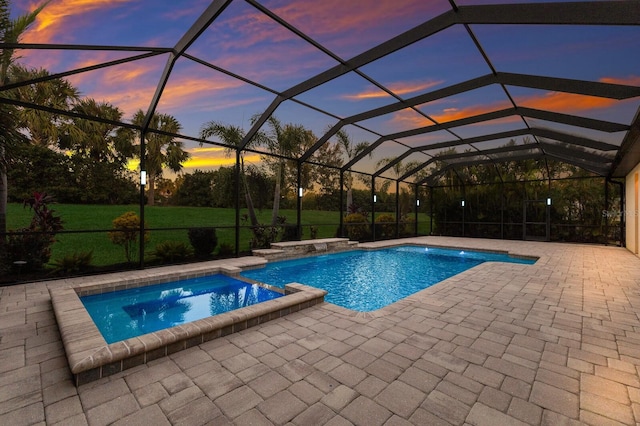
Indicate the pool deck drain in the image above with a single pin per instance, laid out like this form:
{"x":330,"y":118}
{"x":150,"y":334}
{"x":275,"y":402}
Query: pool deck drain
{"x":557,"y":342}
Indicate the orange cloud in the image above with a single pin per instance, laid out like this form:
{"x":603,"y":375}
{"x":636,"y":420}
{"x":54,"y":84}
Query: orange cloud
{"x":348,"y":22}
{"x":565,"y":102}
{"x":130,"y":86}
{"x":452,"y":114}
{"x":183,"y":90}
{"x":62,"y":16}
{"x":632,"y":80}
{"x":399,"y":88}
{"x":407,"y":119}
{"x":568,"y":103}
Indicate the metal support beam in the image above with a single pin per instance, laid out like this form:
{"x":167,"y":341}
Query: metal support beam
{"x":373,"y":208}
{"x":236,"y":187}
{"x":331,"y":132}
{"x":573,"y":120}
{"x":573,"y":13}
{"x":64,"y":74}
{"x":299,"y":201}
{"x":202,"y":23}
{"x":260,"y":121}
{"x":142,"y":200}
{"x":411,"y":36}
{"x":342,"y":210}
{"x":628,"y":155}
{"x":397,"y":209}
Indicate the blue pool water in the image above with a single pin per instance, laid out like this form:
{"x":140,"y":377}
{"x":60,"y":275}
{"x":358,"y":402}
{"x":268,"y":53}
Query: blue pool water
{"x":124,"y":314}
{"x":369,"y":280}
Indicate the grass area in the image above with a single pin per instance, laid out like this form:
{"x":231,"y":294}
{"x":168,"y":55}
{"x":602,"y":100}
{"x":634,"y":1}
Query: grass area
{"x":98,"y":219}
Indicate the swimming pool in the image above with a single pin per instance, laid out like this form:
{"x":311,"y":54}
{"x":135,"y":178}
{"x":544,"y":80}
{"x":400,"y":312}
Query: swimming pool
{"x":123,"y":314}
{"x":366,"y":280}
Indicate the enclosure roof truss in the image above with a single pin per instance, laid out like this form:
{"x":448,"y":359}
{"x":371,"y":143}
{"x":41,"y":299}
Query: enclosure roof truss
{"x":600,"y":143}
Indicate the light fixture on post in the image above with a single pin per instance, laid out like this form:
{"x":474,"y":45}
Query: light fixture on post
{"x":548,"y":201}
{"x":300,"y":192}
{"x":143,"y":177}
{"x":375,"y":198}
{"x":417,"y":203}
{"x":462,"y":203}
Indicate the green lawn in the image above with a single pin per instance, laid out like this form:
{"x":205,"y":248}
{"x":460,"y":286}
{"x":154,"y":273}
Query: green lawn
{"x":98,"y":219}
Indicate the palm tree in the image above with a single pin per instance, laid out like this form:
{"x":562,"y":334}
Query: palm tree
{"x":162,"y":150}
{"x":99,"y":141}
{"x":10,"y":32}
{"x":351,"y":149}
{"x":281,"y":141}
{"x":232,"y":137}
{"x":43,"y":127}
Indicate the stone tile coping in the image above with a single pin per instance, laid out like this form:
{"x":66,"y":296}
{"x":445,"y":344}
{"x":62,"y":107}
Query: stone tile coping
{"x":91,"y":358}
{"x":408,"y":242}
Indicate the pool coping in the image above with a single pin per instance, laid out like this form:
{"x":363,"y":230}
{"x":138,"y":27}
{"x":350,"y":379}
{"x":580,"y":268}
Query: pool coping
{"x":398,"y":243}
{"x":90,"y":357}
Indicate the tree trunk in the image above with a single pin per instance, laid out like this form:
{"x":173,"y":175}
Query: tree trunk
{"x":349,"y":185}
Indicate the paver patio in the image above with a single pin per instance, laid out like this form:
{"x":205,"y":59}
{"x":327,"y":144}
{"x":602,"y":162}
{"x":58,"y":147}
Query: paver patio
{"x":557,"y":342}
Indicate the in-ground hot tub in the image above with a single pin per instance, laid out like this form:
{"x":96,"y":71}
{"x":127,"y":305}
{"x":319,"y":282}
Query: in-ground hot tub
{"x":89,"y":355}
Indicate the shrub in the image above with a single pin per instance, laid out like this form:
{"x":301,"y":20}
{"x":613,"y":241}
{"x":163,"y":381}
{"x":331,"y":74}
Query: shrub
{"x":386,"y":226}
{"x":33,"y":244}
{"x":408,"y":227}
{"x":76,"y":262}
{"x":356,"y":226}
{"x":203,"y":241}
{"x":290,"y":233}
{"x":313,"y":232}
{"x":172,"y":251}
{"x":31,"y":248}
{"x":263,"y":236}
{"x":126,"y":232}
{"x":226,"y":249}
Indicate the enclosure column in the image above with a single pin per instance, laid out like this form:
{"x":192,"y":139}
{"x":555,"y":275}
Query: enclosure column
{"x":430,"y":210}
{"x":341,"y":203}
{"x":397,"y":208}
{"x":143,"y":182}
{"x":415,"y":225}
{"x":606,"y":209}
{"x":373,"y":208}
{"x":236,"y":186}
{"x":622,"y":214}
{"x":502,"y":211}
{"x":299,"y":204}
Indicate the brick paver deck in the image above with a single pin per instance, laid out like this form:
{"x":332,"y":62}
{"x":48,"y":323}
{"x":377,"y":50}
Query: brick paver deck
{"x":553,"y":343}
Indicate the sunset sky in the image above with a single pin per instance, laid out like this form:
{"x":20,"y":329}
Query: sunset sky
{"x":248,"y":43}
